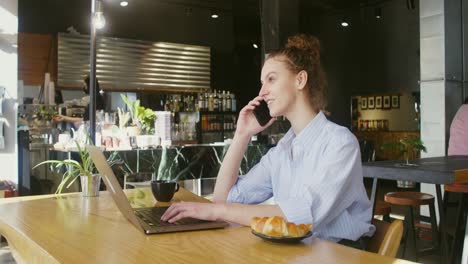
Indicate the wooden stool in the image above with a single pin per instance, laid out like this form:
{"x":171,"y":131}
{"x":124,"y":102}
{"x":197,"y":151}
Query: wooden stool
{"x":460,"y":221}
{"x":411,"y":199}
{"x":384,"y":209}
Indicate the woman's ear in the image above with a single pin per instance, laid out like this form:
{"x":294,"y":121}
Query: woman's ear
{"x":301,"y":79}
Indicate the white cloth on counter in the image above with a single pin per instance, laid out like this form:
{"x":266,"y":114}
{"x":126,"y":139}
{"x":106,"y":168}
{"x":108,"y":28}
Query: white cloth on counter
{"x":315,"y":177}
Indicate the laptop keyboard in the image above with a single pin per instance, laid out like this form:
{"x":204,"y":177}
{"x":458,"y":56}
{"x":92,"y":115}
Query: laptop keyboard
{"x":152,"y":216}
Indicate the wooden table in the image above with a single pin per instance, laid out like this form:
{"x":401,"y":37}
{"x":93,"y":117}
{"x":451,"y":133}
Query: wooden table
{"x":92,"y":230}
{"x":437,"y":170}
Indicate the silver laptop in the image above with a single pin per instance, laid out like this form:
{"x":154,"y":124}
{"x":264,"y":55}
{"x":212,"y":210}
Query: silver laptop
{"x":145,"y":219}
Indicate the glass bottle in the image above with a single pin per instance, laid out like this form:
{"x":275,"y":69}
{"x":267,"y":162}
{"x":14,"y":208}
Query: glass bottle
{"x":228,"y":102}
{"x":210,"y":102}
{"x":224,"y":104}
{"x":233,"y":103}
{"x":215,"y":101}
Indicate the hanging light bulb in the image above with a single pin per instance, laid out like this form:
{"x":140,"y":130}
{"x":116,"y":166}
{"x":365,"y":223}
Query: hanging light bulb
{"x":344,"y":22}
{"x":378,"y":12}
{"x":99,"y":19}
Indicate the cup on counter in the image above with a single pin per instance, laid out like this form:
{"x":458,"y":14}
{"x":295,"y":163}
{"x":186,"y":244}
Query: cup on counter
{"x":163,"y":190}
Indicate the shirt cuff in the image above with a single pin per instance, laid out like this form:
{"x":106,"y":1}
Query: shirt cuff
{"x":297,"y":211}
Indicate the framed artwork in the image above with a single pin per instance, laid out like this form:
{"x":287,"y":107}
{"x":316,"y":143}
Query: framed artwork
{"x":370,"y":102}
{"x":378,"y":102}
{"x":395,"y":101}
{"x":363,"y":103}
{"x":386,"y":102}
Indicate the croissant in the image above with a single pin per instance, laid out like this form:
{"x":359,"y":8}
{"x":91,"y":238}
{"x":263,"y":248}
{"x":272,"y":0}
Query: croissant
{"x":276,"y":226}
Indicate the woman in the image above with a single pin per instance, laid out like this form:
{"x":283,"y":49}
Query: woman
{"x":314,"y":173}
{"x":77,"y":121}
{"x":458,"y":142}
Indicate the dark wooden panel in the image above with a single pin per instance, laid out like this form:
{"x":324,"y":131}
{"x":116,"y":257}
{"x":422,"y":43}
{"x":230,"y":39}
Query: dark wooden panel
{"x":36,"y":56}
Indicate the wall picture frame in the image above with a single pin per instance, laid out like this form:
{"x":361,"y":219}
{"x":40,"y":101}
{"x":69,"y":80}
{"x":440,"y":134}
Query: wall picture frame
{"x":395,"y":102}
{"x":370,"y":102}
{"x":363,"y":103}
{"x":378,"y":102}
{"x":386,"y":104}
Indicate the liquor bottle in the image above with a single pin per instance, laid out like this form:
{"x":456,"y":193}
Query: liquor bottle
{"x":171,"y":104}
{"x":210,"y":102}
{"x":233,"y":103}
{"x":201,"y":103}
{"x":167,"y":106}
{"x":224,"y":101}
{"x":215,"y":102}
{"x":228,"y":102}
{"x":176,"y":105}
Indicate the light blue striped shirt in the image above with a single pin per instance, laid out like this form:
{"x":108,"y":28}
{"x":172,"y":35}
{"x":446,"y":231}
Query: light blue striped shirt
{"x":315,"y":177}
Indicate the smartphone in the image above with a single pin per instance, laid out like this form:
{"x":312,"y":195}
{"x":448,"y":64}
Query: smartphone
{"x":262,"y":113}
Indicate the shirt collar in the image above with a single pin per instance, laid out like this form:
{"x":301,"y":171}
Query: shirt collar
{"x":312,"y":130}
{"x":307,"y":135}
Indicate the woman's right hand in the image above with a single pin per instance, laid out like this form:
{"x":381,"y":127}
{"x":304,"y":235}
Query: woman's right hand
{"x":59,"y":118}
{"x":247,"y":124}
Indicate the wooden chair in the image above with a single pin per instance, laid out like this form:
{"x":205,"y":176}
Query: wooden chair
{"x":384,"y":209}
{"x":410,"y":200}
{"x":387,"y":238}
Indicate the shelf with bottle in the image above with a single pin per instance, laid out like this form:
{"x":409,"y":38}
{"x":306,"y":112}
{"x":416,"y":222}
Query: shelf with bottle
{"x":213,"y":101}
{"x":217,"y":101}
{"x":373,"y":125}
{"x":217,"y":121}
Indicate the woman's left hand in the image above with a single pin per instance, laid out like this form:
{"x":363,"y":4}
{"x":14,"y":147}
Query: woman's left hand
{"x":203,"y":211}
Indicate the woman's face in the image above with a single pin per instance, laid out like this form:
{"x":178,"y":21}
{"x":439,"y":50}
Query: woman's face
{"x":278,"y":86}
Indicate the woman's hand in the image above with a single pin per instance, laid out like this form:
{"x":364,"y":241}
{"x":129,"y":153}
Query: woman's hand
{"x":247,"y":124}
{"x":203,"y":211}
{"x":59,"y":118}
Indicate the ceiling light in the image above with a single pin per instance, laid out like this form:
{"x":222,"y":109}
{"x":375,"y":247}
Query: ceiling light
{"x":344,"y":22}
{"x":214,"y":15}
{"x":378,"y":12}
{"x":124,"y":3}
{"x":99,"y":20}
{"x":255,"y":46}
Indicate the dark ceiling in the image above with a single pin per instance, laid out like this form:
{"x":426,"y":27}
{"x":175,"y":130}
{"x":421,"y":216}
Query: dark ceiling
{"x":247,"y":10}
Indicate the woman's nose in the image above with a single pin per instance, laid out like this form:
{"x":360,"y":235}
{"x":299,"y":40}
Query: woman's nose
{"x":263,"y":91}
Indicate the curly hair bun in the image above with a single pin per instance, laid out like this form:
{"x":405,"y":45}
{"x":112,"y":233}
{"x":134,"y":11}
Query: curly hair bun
{"x":306,"y":43}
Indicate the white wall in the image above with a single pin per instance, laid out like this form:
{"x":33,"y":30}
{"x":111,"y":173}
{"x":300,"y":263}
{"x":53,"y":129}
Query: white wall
{"x":8,"y":79}
{"x":433,"y":83}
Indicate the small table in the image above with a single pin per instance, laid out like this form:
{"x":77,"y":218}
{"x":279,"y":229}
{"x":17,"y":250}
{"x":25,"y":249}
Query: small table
{"x":436,"y":170}
{"x":92,"y":230}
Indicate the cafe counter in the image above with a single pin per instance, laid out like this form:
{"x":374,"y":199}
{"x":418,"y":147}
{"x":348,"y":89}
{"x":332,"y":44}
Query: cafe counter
{"x":173,"y":162}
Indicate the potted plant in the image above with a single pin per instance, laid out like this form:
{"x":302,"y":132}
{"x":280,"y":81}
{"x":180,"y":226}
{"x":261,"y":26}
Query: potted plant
{"x":134,"y":129}
{"x":408,"y":148}
{"x":142,"y":117}
{"x":85,"y":170}
{"x":146,"y":117}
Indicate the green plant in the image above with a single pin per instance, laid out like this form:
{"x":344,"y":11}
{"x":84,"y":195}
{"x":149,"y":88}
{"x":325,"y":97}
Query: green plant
{"x":141,"y":116}
{"x":132,"y":107}
{"x":407,"y":147}
{"x":147,"y":118}
{"x":73,"y":168}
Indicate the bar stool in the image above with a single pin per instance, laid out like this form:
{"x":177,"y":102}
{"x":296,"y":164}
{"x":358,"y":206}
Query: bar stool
{"x":460,"y":190}
{"x":384,"y":209}
{"x":411,"y":199}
